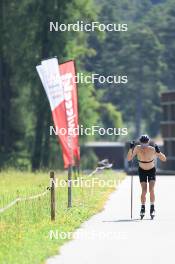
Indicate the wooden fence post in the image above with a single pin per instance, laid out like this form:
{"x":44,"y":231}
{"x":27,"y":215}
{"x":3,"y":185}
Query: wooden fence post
{"x":52,"y":195}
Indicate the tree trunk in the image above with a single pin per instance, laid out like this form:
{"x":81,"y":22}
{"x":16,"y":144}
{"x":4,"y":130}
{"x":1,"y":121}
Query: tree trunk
{"x":5,"y":95}
{"x":1,"y":75}
{"x":138,"y":112}
{"x":139,"y":103}
{"x":46,"y":147}
{"x":42,"y":105}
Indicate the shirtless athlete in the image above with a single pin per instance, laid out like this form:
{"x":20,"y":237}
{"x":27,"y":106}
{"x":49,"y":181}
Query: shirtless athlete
{"x":147,"y":172}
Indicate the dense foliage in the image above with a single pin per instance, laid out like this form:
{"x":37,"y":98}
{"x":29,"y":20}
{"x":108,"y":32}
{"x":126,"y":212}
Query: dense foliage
{"x":145,"y":54}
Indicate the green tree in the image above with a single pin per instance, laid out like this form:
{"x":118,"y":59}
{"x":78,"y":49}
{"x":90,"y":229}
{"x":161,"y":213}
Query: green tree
{"x":23,"y":46}
{"x":162,"y":20}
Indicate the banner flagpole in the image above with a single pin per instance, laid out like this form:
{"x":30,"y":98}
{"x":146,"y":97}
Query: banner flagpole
{"x":70,"y":172}
{"x":69,"y":186}
{"x":67,"y":70}
{"x":61,"y":91}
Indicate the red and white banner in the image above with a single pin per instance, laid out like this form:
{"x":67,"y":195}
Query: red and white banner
{"x":68,"y":75}
{"x":51,"y":80}
{"x":60,"y":87}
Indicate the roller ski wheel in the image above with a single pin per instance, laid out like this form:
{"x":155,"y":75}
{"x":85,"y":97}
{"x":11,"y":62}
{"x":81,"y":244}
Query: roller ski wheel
{"x":142,"y":212}
{"x":152,"y":212}
{"x":152,"y":217}
{"x":142,"y":216}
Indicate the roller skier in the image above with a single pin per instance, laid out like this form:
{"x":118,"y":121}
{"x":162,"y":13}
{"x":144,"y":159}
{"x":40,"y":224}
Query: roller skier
{"x":146,"y":156}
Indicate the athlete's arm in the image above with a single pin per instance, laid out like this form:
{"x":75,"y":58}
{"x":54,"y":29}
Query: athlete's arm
{"x":159,"y":154}
{"x":132,"y":152}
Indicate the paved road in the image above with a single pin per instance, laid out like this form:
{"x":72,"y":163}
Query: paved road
{"x":111,"y":237}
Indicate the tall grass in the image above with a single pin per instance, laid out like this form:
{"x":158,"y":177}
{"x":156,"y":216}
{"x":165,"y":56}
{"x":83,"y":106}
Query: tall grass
{"x":25,"y":227}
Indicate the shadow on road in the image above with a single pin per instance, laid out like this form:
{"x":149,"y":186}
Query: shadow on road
{"x":126,"y":220}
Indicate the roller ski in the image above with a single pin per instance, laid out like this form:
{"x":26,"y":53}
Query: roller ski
{"x":152,"y":211}
{"x":142,"y":212}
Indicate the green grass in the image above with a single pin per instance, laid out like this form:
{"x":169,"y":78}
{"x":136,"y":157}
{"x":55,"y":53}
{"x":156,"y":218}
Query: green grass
{"x":25,"y":228}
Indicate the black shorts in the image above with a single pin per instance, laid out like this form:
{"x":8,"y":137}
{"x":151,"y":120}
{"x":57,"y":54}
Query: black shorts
{"x":147,"y":175}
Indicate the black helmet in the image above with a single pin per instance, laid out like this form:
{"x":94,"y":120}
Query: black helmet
{"x":144,"y":139}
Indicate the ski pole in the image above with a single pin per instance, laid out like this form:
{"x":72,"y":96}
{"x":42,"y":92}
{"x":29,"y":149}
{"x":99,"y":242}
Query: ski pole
{"x":131,"y":194}
{"x":132,"y":182}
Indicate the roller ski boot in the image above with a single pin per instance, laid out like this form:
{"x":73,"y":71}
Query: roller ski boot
{"x":142,"y":211}
{"x":152,"y":211}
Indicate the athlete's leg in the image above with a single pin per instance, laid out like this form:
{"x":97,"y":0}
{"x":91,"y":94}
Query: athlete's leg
{"x":143,"y":182}
{"x":144,"y":191}
{"x":151,"y":191}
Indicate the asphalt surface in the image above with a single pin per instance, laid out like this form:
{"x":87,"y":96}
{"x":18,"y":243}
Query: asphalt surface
{"x":112,"y":237}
